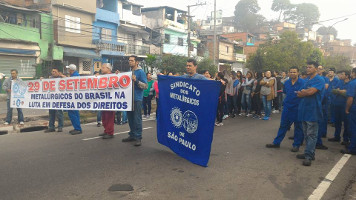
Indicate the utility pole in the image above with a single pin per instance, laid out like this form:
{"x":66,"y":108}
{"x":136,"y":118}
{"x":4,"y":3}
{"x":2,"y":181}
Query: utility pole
{"x":214,"y":40}
{"x":189,"y":18}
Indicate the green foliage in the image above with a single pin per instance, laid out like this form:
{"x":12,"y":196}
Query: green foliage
{"x":151,"y":61}
{"x":305,"y":15}
{"x":287,"y":52}
{"x":327,"y":31}
{"x":176,"y":64}
{"x":172,"y":63}
{"x":246,"y":17}
{"x":207,"y":64}
{"x":339,"y":62}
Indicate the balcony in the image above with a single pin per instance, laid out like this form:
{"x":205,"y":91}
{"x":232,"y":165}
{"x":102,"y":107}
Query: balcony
{"x":107,"y":16}
{"x":110,"y":48}
{"x":136,"y":50}
{"x":240,"y":57}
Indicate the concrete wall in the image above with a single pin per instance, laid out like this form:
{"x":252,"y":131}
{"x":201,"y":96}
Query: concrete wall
{"x":226,"y":51}
{"x":173,"y":47}
{"x":153,"y":19}
{"x":63,"y":37}
{"x":81,"y":5}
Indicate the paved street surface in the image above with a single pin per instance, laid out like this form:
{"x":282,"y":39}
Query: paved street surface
{"x":37,"y":166}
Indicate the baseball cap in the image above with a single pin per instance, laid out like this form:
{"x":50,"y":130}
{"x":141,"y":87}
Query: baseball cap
{"x":2,"y":75}
{"x":72,"y":67}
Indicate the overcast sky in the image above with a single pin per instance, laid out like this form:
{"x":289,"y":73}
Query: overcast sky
{"x":328,"y":9}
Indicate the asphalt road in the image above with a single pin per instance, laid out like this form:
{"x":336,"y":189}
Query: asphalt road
{"x":60,"y":166}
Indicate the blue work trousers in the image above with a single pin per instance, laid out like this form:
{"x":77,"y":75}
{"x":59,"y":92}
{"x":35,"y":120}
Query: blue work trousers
{"x":352,"y":126}
{"x":283,"y":128}
{"x":340,"y":117}
{"x":75,"y":119}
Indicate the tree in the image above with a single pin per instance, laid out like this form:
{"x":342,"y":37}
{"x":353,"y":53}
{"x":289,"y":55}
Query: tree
{"x":339,"y":62}
{"x":288,"y":51}
{"x":305,"y":15}
{"x":207,"y":64}
{"x":327,"y":31}
{"x":281,"y":6}
{"x":246,"y":17}
{"x":151,"y":61}
{"x":172,"y":63}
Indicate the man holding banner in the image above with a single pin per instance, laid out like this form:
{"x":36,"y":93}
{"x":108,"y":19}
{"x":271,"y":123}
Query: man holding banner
{"x":7,"y":87}
{"x":52,"y":112}
{"x":186,"y":114}
{"x":135,"y":117}
{"x":74,"y":114}
{"x":107,"y":117}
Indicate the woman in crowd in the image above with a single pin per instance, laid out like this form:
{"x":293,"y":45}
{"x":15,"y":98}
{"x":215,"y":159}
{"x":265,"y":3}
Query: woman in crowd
{"x":256,"y":95}
{"x":246,"y":94}
{"x":268,"y":91}
{"x":221,"y":102}
{"x":240,"y":89}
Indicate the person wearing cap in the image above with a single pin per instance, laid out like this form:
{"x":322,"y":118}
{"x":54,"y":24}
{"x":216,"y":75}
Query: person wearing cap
{"x":74,"y":114}
{"x":107,"y":117}
{"x":135,"y":117}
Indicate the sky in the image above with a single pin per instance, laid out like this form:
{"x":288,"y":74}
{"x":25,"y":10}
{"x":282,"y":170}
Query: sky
{"x":328,"y":9}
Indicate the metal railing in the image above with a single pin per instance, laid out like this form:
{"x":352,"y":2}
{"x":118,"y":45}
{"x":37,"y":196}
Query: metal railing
{"x":110,"y":47}
{"x":136,"y":49}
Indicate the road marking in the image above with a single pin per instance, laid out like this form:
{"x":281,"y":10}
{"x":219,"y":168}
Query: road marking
{"x":119,"y":133}
{"x":324,"y":185}
{"x":144,"y":120}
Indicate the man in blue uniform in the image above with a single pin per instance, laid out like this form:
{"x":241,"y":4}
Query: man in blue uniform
{"x":290,"y":111}
{"x":310,"y":111}
{"x":74,"y":114}
{"x":323,"y":122}
{"x":351,"y":111}
{"x":339,"y":103}
{"x":333,"y":84}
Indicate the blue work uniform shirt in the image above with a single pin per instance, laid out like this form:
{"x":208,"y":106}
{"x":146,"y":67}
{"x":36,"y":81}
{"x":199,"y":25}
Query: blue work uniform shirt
{"x":325,"y":94}
{"x":291,"y":101}
{"x":339,"y":99}
{"x":310,"y":108}
{"x":140,"y":76}
{"x":75,"y":73}
{"x":195,"y":76}
{"x":351,"y":92}
{"x":332,"y":85}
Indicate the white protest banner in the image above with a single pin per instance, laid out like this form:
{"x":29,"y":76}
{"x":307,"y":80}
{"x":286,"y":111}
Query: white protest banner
{"x":106,"y":92}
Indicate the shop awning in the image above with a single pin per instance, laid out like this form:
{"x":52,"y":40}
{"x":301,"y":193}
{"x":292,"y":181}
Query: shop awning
{"x":81,"y":53}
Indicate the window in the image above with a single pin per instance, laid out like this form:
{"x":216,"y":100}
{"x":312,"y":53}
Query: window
{"x":126,"y":7}
{"x":227,"y":49}
{"x":106,"y":34}
{"x":136,"y":10}
{"x":167,"y":38}
{"x":180,"y":41}
{"x":72,"y":24}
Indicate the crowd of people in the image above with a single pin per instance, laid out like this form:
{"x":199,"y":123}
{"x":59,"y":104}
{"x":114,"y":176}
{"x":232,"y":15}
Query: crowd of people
{"x":310,"y":100}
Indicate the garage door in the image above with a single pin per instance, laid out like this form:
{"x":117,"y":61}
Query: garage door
{"x":24,"y":65}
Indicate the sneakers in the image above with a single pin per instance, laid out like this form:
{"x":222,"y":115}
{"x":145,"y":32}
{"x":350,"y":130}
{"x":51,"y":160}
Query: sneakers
{"x":333,"y":140}
{"x":107,"y":136}
{"x":272,"y":145}
{"x":322,"y":147}
{"x":22,"y":123}
{"x":249,"y":115}
{"x":102,"y":134}
{"x":60,"y":130}
{"x":346,"y":151}
{"x":128,"y":139}
{"x":137,"y":143}
{"x":49,"y":130}
{"x":295,"y":149}
{"x":99,"y":124}
{"x":219,"y":124}
{"x":307,"y":162}
{"x":242,"y":114}
{"x":225,"y":116}
{"x":302,"y":156}
{"x":266,"y":118}
{"x":6,"y":123}
{"x":275,"y":111}
{"x":75,"y":132}
{"x":344,"y":143}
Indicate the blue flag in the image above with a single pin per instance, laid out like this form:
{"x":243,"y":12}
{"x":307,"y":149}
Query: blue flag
{"x":186,"y":116}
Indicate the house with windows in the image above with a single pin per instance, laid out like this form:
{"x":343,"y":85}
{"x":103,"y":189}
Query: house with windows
{"x":105,"y":34}
{"x":26,"y":40}
{"x":73,"y":30}
{"x":171,"y":23}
